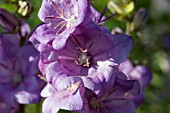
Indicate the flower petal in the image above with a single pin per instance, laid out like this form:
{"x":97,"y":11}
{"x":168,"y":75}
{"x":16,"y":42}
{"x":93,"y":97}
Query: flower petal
{"x":28,"y":92}
{"x":117,"y":47}
{"x":44,"y":33}
{"x":63,"y":100}
{"x":142,"y":74}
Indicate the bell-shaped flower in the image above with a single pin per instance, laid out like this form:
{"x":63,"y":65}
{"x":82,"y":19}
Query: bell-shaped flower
{"x":86,"y":54}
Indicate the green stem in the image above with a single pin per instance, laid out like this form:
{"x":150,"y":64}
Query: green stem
{"x":22,"y":108}
{"x":128,"y":28}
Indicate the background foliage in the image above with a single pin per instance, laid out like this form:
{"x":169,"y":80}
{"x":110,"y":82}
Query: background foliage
{"x":151,"y":47}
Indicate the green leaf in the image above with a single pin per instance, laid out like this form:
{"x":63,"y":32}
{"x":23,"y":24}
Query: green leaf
{"x":8,"y":7}
{"x":64,"y":111}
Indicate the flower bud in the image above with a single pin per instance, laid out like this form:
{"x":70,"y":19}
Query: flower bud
{"x":8,"y":21}
{"x":140,"y":19}
{"x":121,"y":7}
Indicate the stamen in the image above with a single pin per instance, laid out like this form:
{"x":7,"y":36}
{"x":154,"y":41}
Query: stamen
{"x":77,"y":44}
{"x":90,"y":45}
{"x":62,"y":22}
{"x":66,"y":58}
{"x":83,"y":60}
{"x":52,"y":17}
{"x":69,"y":23}
{"x":74,"y":87}
{"x":60,"y":28}
{"x":56,"y":8}
{"x":42,"y":78}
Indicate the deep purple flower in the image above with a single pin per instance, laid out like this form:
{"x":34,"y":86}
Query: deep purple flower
{"x":114,"y":100}
{"x":91,"y":55}
{"x":18,"y":67}
{"x":68,"y":97}
{"x":140,"y":73}
{"x":61,"y":18}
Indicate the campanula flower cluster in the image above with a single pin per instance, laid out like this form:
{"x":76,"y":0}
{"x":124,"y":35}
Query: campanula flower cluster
{"x":85,"y":66}
{"x":80,"y":58}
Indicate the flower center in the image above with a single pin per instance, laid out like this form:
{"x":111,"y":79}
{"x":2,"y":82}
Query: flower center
{"x":84,"y":59}
{"x":17,"y":78}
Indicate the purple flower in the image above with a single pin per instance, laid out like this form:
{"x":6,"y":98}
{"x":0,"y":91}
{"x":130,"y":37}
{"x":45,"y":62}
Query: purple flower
{"x":18,"y":67}
{"x":69,"y":97}
{"x":91,"y":55}
{"x":140,"y":73}
{"x":114,"y":100}
{"x":61,"y":18}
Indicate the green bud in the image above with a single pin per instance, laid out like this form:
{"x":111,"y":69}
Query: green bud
{"x":24,"y":8}
{"x":121,"y":7}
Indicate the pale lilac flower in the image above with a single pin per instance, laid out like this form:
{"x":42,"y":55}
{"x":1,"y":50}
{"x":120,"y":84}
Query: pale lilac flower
{"x":68,"y":97}
{"x":61,"y":18}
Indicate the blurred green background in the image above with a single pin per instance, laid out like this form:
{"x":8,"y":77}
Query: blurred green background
{"x":151,"y":47}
